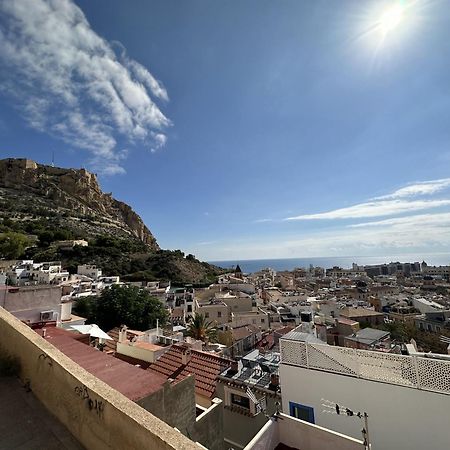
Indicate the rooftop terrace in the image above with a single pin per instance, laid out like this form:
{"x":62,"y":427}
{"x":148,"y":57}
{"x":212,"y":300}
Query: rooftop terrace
{"x":429,"y":372}
{"x":96,"y":414}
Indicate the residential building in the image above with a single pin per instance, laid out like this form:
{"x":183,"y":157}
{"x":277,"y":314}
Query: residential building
{"x":363,"y":316}
{"x":369,"y":339}
{"x":255,"y":317}
{"x":339,"y":272}
{"x":35,"y":304}
{"x":171,"y":401}
{"x":181,"y":361}
{"x":239,"y":340}
{"x":394,"y":390}
{"x":89,"y":270}
{"x":253,"y":377}
{"x":214,"y":311}
{"x":435,"y":322}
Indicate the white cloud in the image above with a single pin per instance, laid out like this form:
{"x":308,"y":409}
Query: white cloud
{"x":262,"y":220}
{"x":67,"y":81}
{"x":419,"y":220}
{"x":418,"y":234}
{"x":374,"y":209}
{"x":421,"y":188}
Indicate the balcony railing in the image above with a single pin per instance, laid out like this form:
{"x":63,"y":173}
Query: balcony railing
{"x":419,"y":372}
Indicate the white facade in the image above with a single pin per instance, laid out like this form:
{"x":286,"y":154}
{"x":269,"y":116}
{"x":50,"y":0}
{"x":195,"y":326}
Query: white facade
{"x":407,"y":398}
{"x":257,"y":318}
{"x":89,"y":270}
{"x":296,"y":433}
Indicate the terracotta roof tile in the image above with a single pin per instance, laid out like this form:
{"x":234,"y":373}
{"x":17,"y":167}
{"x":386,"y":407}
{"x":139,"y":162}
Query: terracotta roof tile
{"x":204,"y":366}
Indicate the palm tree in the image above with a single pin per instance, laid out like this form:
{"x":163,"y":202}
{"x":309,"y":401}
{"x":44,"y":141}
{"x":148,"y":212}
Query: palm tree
{"x":201,"y":329}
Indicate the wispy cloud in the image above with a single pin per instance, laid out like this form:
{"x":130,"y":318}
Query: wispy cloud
{"x":262,"y":220}
{"x":398,"y":202}
{"x":374,"y":209}
{"x":418,"y":220}
{"x":421,"y":188}
{"x":68,"y":81}
{"x":422,"y":233}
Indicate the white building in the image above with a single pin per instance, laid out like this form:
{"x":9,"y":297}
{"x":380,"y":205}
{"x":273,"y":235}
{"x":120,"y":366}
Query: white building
{"x":89,"y":270}
{"x":406,"y":397}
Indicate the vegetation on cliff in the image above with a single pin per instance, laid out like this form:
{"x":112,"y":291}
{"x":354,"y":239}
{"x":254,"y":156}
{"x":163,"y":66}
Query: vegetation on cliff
{"x":41,"y":205}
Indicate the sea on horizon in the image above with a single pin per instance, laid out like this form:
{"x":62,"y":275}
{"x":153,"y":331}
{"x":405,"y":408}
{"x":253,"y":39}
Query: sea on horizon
{"x":254,"y":265}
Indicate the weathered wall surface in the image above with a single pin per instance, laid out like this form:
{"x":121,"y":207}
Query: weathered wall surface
{"x":97,"y":415}
{"x":174,"y":404}
{"x":209,"y":426}
{"x":26,"y":303}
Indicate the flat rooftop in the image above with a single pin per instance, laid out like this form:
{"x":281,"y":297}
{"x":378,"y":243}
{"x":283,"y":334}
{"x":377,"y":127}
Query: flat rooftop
{"x":131,"y":381}
{"x":27,"y":424}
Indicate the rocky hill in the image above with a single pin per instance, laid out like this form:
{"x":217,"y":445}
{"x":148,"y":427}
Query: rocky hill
{"x":50,"y":204}
{"x":74,"y":194}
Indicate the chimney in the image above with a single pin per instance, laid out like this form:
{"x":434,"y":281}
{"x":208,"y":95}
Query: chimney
{"x":44,"y":332}
{"x":123,"y":333}
{"x":185,"y":355}
{"x":274,"y":382}
{"x":234,"y":368}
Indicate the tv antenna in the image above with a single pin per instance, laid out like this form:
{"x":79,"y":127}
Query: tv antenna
{"x":334,"y":408}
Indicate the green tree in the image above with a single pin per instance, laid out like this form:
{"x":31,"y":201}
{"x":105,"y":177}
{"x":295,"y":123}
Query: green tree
{"x":127,"y":305}
{"x":201,"y":329}
{"x":12,"y":245}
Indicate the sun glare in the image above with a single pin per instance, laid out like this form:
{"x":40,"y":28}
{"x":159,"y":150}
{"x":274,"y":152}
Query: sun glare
{"x":391,"y":18}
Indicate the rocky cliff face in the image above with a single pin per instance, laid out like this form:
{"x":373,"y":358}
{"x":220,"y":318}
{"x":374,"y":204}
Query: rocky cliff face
{"x":74,"y":193}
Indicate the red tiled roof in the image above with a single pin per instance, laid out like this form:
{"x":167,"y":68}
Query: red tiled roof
{"x":133,"y":361}
{"x":206,"y":367}
{"x":131,"y":381}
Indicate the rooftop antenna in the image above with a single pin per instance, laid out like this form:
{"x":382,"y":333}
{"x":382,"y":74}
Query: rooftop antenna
{"x":334,"y":408}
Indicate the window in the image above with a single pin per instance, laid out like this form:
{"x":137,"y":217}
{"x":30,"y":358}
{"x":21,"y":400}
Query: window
{"x":301,"y":412}
{"x":206,"y":315}
{"x":240,"y":400}
{"x":262,"y":320}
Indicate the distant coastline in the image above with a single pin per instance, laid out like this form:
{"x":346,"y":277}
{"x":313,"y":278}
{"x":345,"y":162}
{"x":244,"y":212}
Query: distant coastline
{"x":254,"y":265}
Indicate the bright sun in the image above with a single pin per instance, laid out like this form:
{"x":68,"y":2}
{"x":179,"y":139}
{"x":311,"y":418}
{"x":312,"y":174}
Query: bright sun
{"x":391,"y":18}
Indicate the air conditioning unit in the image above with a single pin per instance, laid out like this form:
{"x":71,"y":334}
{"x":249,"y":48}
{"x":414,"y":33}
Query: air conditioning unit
{"x":47,"y":316}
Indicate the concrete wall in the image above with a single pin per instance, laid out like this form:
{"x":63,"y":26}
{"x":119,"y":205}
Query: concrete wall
{"x":26,"y":303}
{"x":97,"y":415}
{"x":400,"y":418}
{"x":144,"y":354}
{"x":239,"y":428}
{"x":259,"y":319}
{"x":174,"y":404}
{"x":296,"y":433}
{"x":267,"y":438}
{"x":238,"y":304}
{"x":209,"y":426}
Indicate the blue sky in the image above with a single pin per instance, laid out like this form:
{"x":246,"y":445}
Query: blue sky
{"x":243,"y":129}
